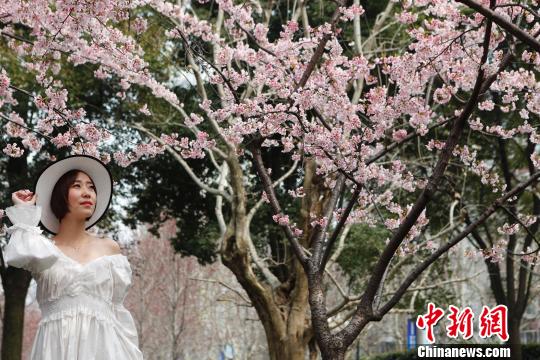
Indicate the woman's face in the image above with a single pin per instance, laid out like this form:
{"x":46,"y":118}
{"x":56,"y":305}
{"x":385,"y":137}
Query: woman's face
{"x":82,"y":197}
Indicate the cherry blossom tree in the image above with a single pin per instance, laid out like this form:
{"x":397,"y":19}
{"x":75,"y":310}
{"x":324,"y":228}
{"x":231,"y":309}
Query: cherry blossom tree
{"x":183,"y":309}
{"x":371,"y":129}
{"x":504,"y":249}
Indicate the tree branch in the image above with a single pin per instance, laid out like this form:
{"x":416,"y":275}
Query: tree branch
{"x":268,"y":275}
{"x":503,"y":23}
{"x":320,"y":49}
{"x":340,"y":225}
{"x":439,"y":284}
{"x":274,"y":203}
{"x":256,"y":207}
{"x":219,"y":199}
{"x":442,"y":250}
{"x":184,"y":164}
{"x":427,"y":194}
{"x":319,"y":233}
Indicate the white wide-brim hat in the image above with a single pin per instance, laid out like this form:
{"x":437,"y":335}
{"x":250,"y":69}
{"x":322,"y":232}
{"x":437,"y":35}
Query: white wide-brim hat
{"x":94,"y":168}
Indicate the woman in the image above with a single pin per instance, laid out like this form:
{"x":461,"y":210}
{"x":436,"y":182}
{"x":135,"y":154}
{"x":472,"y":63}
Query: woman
{"x":82,"y":279}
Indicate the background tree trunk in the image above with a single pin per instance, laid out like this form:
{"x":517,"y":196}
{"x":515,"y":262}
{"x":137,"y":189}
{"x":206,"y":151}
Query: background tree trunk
{"x":282,"y":313}
{"x":515,"y":339}
{"x":284,"y":309}
{"x":15,"y":282}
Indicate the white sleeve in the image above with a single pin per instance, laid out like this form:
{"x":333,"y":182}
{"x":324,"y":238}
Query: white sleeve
{"x":27,"y":248}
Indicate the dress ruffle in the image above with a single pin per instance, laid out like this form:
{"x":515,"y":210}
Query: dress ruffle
{"x":82,"y":334}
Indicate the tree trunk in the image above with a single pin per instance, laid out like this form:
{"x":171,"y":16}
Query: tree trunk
{"x":283,"y":316}
{"x":313,"y":350}
{"x":334,"y":355}
{"x":15,"y":282}
{"x":514,"y":338}
{"x":283,"y":310}
{"x":290,"y":348}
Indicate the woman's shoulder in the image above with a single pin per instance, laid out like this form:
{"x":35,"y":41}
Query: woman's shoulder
{"x":108,"y":244}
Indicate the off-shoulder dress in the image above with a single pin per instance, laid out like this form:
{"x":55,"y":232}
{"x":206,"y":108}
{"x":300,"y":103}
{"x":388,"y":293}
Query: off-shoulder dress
{"x":82,"y":311}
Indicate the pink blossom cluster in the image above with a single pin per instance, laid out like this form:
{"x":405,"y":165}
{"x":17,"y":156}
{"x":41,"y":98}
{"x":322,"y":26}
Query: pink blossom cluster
{"x":85,"y":33}
{"x":527,"y":219}
{"x":508,"y":229}
{"x":281,"y":219}
{"x":349,"y":13}
{"x":190,"y":148}
{"x":530,"y":256}
{"x":144,"y":110}
{"x":124,"y":159}
{"x":13,"y":150}
{"x":6,"y":94}
{"x":488,"y":176}
{"x":497,"y":252}
{"x":321,"y":221}
{"x":63,"y":139}
{"x":393,"y":223}
{"x":406,"y":17}
{"x":16,"y":127}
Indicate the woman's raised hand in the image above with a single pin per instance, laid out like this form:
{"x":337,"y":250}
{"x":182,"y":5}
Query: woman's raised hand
{"x":23,"y":197}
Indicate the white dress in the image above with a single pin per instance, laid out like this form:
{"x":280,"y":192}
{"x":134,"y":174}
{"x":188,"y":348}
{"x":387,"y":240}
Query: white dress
{"x":82,"y":311}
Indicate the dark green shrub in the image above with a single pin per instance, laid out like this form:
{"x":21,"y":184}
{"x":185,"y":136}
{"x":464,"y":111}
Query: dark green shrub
{"x":531,"y":351}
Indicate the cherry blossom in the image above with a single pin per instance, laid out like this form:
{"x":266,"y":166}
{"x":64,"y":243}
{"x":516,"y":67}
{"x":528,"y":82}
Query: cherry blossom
{"x":13,"y":150}
{"x":281,"y":219}
{"x":508,"y":229}
{"x":145,"y":110}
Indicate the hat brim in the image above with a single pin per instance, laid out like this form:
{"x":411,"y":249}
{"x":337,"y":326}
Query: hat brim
{"x":94,"y":168}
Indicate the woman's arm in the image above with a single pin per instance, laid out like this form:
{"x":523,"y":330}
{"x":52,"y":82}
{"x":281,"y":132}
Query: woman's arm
{"x":27,"y":248}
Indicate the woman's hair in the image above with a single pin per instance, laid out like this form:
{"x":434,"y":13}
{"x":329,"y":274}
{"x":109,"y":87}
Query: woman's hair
{"x":60,"y":193}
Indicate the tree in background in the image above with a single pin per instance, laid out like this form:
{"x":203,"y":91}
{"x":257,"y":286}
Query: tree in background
{"x":182,"y":309}
{"x":348,"y":121}
{"x":505,"y":251}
